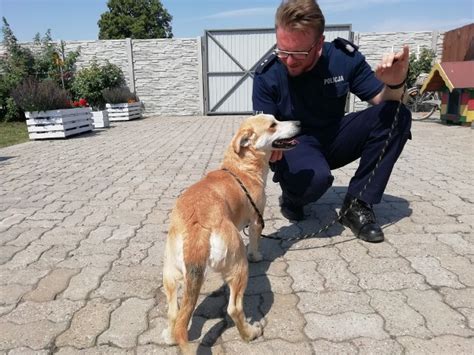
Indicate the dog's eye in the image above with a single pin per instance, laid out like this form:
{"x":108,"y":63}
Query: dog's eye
{"x":273,"y":125}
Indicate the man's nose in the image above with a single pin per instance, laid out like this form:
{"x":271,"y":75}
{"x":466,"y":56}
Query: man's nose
{"x":290,"y":60}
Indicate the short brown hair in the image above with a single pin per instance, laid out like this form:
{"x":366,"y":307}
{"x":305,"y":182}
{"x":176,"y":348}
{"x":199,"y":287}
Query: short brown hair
{"x":300,"y":15}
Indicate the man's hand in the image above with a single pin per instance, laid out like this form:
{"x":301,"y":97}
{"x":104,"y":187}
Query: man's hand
{"x":276,"y":155}
{"x":393,"y":68}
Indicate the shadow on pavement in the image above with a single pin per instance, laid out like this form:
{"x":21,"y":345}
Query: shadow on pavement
{"x":5,"y":158}
{"x":259,"y":296}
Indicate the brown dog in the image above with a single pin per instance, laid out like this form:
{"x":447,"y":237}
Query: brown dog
{"x":207,"y":218}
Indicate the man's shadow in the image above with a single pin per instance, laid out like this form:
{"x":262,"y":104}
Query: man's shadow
{"x":259,"y":297}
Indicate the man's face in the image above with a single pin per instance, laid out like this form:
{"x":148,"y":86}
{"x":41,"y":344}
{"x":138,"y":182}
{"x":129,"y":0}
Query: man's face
{"x":298,"y":41}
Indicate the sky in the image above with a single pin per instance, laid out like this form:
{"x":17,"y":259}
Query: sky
{"x":77,"y":19}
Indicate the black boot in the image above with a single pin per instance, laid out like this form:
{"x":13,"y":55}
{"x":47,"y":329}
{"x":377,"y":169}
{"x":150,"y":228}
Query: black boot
{"x":291,"y":211}
{"x":360,"y":218}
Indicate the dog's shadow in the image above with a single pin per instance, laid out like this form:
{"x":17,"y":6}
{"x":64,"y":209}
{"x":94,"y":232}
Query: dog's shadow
{"x":259,"y":296}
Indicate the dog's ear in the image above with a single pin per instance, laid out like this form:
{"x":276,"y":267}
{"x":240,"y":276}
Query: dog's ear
{"x":242,"y":139}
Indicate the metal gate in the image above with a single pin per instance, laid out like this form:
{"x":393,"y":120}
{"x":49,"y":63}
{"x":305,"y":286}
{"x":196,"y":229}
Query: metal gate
{"x":229,"y":61}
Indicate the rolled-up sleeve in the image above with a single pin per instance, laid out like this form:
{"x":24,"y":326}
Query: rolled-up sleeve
{"x":364,"y":83}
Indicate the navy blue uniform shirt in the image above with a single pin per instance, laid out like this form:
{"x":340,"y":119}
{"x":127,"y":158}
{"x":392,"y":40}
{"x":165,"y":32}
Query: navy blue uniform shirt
{"x":317,"y":98}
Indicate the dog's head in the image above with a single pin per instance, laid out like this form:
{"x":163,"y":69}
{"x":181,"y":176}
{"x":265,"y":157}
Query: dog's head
{"x":265,"y":133}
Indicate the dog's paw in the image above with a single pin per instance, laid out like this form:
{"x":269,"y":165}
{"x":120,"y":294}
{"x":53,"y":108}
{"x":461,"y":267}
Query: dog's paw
{"x":167,"y":337}
{"x":253,"y":331}
{"x":255,"y":256}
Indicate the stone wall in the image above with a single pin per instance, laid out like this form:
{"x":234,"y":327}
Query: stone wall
{"x":167,"y":74}
{"x":163,"y":72}
{"x":374,"y":45}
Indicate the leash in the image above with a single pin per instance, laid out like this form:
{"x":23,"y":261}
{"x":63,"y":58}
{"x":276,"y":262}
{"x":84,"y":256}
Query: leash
{"x":369,"y":180}
{"x":260,"y":217}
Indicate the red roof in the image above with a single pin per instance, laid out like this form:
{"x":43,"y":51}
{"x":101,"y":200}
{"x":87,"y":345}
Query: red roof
{"x":461,"y":74}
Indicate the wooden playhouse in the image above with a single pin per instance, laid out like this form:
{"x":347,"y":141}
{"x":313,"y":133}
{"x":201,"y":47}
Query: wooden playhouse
{"x":455,"y":82}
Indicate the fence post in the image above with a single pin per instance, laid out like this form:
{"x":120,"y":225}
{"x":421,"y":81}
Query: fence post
{"x":131,"y":69}
{"x":434,"y":43}
{"x":200,"y":74}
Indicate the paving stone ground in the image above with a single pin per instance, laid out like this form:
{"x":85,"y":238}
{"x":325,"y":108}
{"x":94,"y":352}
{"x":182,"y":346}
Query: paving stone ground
{"x":83,"y":223}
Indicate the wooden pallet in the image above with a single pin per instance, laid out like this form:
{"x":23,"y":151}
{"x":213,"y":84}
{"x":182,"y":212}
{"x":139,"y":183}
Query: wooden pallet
{"x":124,"y":112}
{"x":58,"y":123}
{"x":100,"y":119}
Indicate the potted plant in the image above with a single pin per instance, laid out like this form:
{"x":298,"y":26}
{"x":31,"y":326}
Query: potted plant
{"x":122,"y":104}
{"x":90,"y":82}
{"x":49,"y":111}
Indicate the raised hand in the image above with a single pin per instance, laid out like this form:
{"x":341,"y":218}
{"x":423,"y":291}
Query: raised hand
{"x":393,"y":68}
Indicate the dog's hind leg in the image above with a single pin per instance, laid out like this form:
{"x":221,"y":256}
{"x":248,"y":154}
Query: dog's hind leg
{"x":171,"y":276}
{"x":192,"y":285}
{"x":237,"y":280}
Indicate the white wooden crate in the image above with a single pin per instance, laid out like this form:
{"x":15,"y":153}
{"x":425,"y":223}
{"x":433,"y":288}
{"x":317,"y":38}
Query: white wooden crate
{"x":100,"y":119}
{"x":124,"y":112}
{"x":58,"y":123}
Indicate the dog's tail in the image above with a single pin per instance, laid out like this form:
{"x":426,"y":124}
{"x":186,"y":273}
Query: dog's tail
{"x":195,"y":264}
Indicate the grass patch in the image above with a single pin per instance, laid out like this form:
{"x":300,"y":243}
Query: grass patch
{"x":13,"y":133}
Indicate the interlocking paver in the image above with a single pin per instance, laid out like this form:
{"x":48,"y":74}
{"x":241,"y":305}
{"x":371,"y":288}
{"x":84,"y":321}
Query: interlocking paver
{"x":344,"y":326}
{"x":305,"y":276}
{"x":434,"y":274}
{"x":51,"y":285}
{"x":88,"y":323}
{"x":83,"y":283}
{"x":337,"y":276}
{"x":446,"y":344}
{"x":400,"y":318}
{"x":82,"y":241}
{"x":127,"y":322}
{"x":334,"y":302}
{"x":54,"y":311}
{"x":440,"y":317}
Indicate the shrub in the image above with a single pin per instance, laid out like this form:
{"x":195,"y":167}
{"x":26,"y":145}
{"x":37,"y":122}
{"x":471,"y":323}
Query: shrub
{"x":49,"y":61}
{"x":91,"y":81}
{"x":33,"y":95}
{"x":119,"y":95}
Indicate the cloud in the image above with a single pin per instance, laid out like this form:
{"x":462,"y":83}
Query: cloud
{"x":254,"y":11}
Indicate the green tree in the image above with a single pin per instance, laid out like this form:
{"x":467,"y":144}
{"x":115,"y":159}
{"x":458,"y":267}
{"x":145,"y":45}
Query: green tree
{"x":139,"y":19}
{"x":52,"y":61}
{"x":15,"y":65}
{"x":419,"y":65}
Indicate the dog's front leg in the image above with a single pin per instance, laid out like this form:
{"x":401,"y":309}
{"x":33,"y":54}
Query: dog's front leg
{"x":255,"y":231}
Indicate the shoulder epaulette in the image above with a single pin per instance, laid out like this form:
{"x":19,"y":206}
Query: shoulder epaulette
{"x":265,"y":63}
{"x":345,"y":45}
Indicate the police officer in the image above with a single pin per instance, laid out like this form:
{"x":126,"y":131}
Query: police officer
{"x":307,"y":79}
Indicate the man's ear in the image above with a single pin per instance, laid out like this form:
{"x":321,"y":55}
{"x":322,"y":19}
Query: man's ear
{"x":242,"y":139}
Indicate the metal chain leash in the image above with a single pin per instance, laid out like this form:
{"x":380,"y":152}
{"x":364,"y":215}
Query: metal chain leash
{"x":372,"y":174}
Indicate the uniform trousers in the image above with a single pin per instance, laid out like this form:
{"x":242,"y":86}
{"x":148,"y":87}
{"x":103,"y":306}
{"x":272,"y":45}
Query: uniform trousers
{"x":304,"y":173}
